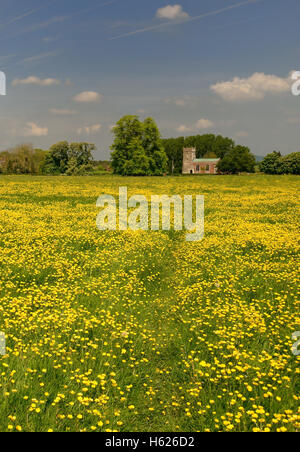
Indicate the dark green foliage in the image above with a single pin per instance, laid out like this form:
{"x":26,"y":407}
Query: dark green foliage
{"x":208,"y":146}
{"x":210,"y":143}
{"x":173,"y":148}
{"x":290,"y":164}
{"x":58,"y":156}
{"x":276,"y":164}
{"x":234,"y":159}
{"x":237,"y":160}
{"x":270,"y":164}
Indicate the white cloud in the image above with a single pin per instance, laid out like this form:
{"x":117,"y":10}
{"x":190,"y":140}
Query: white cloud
{"x":188,"y":19}
{"x":204,"y":124}
{"x":33,"y":130}
{"x":183,"y":129}
{"x":170,"y":12}
{"x":62,"y":112}
{"x":32,"y":80}
{"x":88,"y":96}
{"x":201,"y":124}
{"x":88,"y":130}
{"x":255,"y":87}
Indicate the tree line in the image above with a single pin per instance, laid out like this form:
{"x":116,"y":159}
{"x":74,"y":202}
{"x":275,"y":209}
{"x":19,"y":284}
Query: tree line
{"x":22,"y":159}
{"x":139,"y":150}
{"x":62,"y":158}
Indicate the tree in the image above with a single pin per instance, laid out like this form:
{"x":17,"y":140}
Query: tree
{"x":271,"y":163}
{"x":237,"y":160}
{"x":154,"y":150}
{"x":22,"y":159}
{"x":173,"y":148}
{"x":65,"y":158}
{"x":126,"y":129}
{"x":137,"y":148}
{"x":72,"y":166}
{"x":139,"y":163}
{"x":39,"y":158}
{"x":210,"y":143}
{"x":81,"y":152}
{"x":290,"y":164}
{"x":57,"y":158}
{"x":275,"y":163}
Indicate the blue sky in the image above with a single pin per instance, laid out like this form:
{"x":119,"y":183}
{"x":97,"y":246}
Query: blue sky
{"x":74,"y":68}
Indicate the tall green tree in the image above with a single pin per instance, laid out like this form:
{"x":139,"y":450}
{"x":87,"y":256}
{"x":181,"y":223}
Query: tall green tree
{"x":137,"y":148}
{"x":126,"y":130}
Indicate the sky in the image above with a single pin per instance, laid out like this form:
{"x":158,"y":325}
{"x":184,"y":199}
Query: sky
{"x":73,"y":68}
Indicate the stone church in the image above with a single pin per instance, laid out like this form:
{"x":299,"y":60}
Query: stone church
{"x":192,"y":165}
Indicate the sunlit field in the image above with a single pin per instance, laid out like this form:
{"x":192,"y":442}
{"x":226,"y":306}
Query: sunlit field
{"x":143,"y":331}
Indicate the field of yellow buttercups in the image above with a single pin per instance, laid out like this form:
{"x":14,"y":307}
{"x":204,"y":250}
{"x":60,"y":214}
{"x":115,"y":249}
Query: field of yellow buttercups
{"x":144,"y":331}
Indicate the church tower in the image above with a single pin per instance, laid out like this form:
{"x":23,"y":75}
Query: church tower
{"x":189,"y":155}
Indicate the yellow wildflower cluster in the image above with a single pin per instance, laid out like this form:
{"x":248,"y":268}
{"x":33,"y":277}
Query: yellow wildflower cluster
{"x":143,"y":331}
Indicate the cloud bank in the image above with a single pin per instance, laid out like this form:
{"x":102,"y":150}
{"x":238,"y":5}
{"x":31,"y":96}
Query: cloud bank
{"x":32,"y":80}
{"x":255,"y":87}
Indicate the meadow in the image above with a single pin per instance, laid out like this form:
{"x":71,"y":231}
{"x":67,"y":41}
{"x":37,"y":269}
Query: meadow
{"x":143,"y":331}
